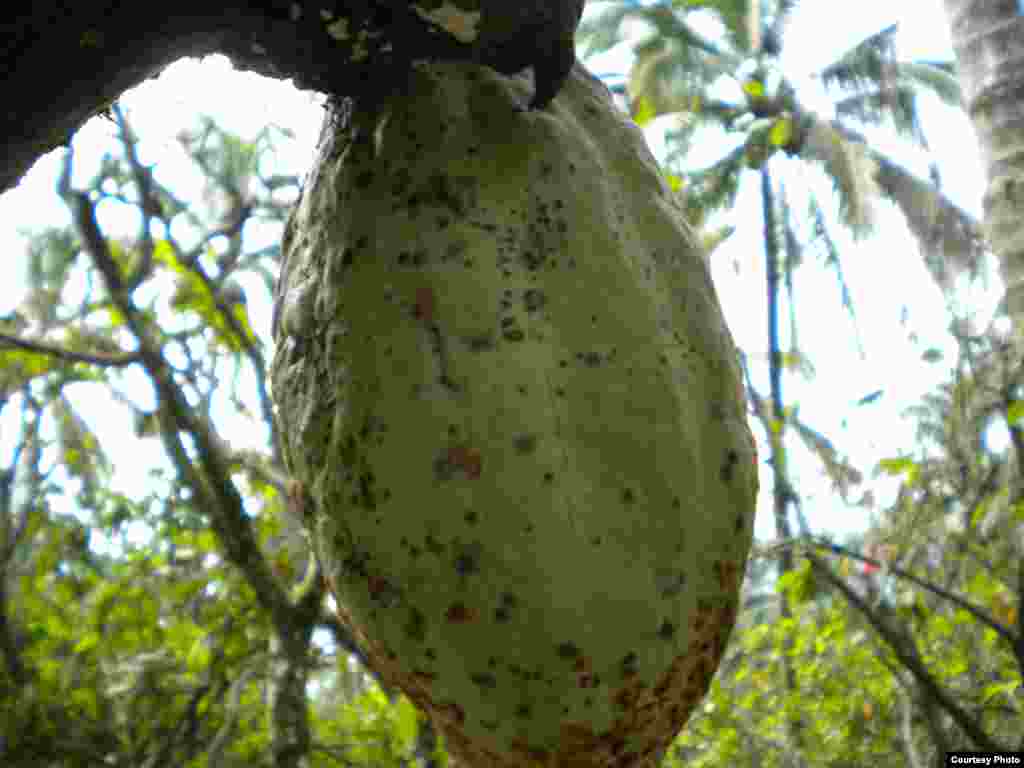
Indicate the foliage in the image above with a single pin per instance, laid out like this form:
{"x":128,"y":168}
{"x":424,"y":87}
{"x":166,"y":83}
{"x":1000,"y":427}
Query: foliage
{"x":130,"y":635}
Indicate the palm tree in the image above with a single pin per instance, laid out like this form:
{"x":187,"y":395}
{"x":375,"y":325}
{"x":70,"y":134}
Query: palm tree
{"x":680,"y":71}
{"x":987,"y":42}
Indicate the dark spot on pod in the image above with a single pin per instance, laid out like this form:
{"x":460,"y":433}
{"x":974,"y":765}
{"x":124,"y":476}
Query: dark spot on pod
{"x":533,"y":260}
{"x":669,"y":583}
{"x":467,"y":459}
{"x":510,"y":329}
{"x":466,"y":564}
{"x":666,"y":630}
{"x":415,"y":625}
{"x":507,"y":603}
{"x":533,"y":299}
{"x":443,"y":469}
{"x":382,"y":591}
{"x":731,"y":460}
{"x":524,"y":444}
{"x":459,"y":613}
{"x":628,"y":663}
{"x":480,"y":343}
{"x":485,"y":680}
{"x":568,"y":650}
{"x":425,"y":304}
{"x":433,"y":545}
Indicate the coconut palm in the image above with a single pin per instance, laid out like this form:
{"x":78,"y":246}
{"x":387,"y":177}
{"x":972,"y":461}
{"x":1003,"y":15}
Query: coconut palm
{"x":987,"y":42}
{"x":682,"y":71}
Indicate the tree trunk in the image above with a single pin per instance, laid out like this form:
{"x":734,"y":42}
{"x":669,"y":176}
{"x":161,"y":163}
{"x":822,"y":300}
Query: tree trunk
{"x":988,"y":38}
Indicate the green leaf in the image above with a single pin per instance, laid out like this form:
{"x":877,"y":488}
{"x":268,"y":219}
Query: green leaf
{"x":198,"y":657}
{"x":645,"y":111}
{"x":989,"y":692}
{"x":89,"y":641}
{"x":897,"y":466}
{"x":406,"y":722}
{"x":1015,"y":412}
{"x":781,"y":133}
{"x":754,"y":89}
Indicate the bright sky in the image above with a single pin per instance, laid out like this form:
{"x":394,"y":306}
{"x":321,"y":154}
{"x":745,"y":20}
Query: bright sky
{"x":885,"y":273}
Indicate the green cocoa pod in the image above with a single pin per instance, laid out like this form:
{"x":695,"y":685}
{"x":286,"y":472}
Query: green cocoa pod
{"x":507,"y":391}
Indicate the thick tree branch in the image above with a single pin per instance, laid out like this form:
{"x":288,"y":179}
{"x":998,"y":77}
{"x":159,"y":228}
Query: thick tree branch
{"x":209,"y":477}
{"x":66,"y":62}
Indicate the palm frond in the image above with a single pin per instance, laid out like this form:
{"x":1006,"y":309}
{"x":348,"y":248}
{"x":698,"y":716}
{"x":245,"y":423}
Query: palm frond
{"x":730,"y":14}
{"x":894,"y":100}
{"x":603,"y":30}
{"x":823,"y":238}
{"x":935,"y":77}
{"x":715,"y":187}
{"x":851,"y":170}
{"x":950,"y":239}
{"x":672,"y":75}
{"x":866,"y":65}
{"x":895,"y":106}
{"x":710,"y":239}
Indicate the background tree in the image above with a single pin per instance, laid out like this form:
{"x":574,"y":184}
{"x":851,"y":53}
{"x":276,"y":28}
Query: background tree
{"x":987,"y":41}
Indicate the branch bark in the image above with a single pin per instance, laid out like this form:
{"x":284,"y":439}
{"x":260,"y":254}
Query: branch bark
{"x":66,"y":62}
